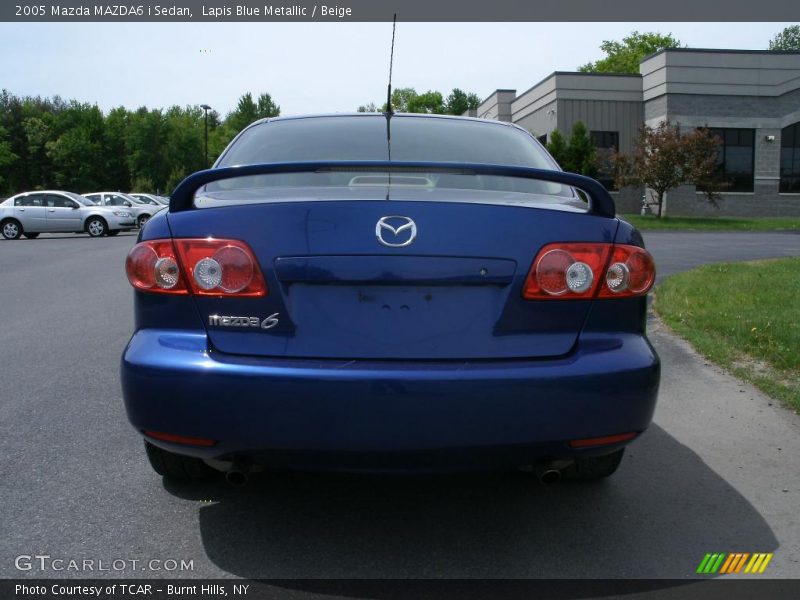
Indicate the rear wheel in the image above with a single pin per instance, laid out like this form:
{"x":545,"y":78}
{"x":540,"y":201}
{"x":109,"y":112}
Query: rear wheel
{"x":595,"y":467}
{"x":11,"y":229}
{"x":31,"y":236}
{"x":96,"y":227}
{"x":176,"y":466}
{"x":142,"y":220}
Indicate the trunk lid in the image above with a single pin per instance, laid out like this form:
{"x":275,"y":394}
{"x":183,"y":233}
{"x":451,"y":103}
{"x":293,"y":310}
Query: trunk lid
{"x":452,"y":293}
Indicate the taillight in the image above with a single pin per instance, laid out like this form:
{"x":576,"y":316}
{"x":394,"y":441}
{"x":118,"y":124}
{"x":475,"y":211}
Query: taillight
{"x":582,"y":271}
{"x":205,"y":267}
{"x":153,"y":267}
{"x":631,"y":272}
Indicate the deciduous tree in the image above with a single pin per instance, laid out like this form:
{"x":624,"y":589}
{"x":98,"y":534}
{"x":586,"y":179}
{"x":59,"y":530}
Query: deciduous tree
{"x":664,"y":157}
{"x":787,"y":39}
{"x":624,"y":56}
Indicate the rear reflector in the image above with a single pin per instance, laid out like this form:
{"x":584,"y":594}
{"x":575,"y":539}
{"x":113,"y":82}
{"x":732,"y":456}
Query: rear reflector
{"x":572,"y":271}
{"x":603,"y":441}
{"x":179,"y":439}
{"x":205,"y":267}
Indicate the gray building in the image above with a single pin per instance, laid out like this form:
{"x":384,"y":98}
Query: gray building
{"x":749,"y":98}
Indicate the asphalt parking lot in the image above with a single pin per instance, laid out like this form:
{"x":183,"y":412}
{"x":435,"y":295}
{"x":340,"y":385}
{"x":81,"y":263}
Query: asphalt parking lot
{"x":717,"y":471}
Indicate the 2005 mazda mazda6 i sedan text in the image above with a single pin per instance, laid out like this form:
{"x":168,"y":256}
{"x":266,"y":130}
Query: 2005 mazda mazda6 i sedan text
{"x":390,"y":293}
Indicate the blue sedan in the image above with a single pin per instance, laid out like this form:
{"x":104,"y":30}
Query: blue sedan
{"x":388,"y":292}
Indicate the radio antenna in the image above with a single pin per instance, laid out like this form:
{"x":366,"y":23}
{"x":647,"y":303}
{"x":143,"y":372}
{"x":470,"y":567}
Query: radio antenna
{"x":389,"y":110}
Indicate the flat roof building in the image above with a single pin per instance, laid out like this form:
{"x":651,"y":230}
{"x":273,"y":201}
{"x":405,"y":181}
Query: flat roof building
{"x":749,"y":98}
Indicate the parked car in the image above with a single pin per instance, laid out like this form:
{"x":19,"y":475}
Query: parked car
{"x":389,"y":293}
{"x":54,"y":211}
{"x":141,"y":210}
{"x":151,"y":199}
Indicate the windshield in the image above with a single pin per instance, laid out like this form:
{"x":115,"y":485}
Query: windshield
{"x":83,"y":200}
{"x":409,"y":138}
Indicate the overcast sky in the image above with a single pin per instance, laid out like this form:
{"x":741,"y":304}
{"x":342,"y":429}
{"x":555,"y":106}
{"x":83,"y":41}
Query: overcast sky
{"x":312,"y":67}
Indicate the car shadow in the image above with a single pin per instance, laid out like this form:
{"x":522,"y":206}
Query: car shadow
{"x":656,"y":518}
{"x":68,"y":236}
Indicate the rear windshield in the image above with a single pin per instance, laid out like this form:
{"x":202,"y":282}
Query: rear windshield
{"x":365,"y":138}
{"x":373,"y":137}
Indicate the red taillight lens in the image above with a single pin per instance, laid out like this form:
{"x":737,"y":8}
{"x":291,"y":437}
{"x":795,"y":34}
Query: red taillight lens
{"x":153,"y":267}
{"x":179,"y":439}
{"x":582,"y":271}
{"x":206,"y":267}
{"x":606,"y":440}
{"x":566,"y":271}
{"x":221,"y":268}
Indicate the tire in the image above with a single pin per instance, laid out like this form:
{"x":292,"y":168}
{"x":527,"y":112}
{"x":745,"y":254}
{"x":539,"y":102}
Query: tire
{"x":96,"y":227}
{"x":32,"y":235}
{"x":595,"y":467}
{"x":142,"y":220}
{"x":176,"y":466}
{"x":11,"y":229}
{"x":112,"y":232}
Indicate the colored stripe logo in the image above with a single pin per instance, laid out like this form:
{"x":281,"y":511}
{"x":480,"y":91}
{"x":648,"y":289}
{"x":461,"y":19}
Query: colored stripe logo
{"x":734,"y":562}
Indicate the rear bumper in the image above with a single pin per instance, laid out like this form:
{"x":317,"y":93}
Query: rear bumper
{"x":364,"y":414}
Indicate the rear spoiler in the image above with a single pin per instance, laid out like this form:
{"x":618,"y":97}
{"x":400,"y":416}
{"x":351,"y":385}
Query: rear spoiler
{"x":600,"y":201}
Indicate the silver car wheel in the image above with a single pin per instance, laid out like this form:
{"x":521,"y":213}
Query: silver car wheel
{"x":10,"y":231}
{"x":96,"y":228}
{"x":142,"y":220}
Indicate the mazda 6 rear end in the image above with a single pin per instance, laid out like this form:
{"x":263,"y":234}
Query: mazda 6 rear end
{"x":390,"y":293}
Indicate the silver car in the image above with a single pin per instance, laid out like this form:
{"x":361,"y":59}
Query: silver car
{"x":53,"y":211}
{"x":148,"y":198}
{"x":140,"y":209}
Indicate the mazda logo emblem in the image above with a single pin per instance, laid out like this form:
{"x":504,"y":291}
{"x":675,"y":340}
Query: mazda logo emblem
{"x":402,"y":229}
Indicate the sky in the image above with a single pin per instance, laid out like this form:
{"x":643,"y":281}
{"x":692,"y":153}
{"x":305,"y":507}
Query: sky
{"x":311,"y":67}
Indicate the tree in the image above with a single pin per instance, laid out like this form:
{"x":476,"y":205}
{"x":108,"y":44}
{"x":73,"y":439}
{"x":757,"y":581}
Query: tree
{"x":76,"y":157}
{"x":557,"y":147}
{"x":459,"y":102}
{"x":266,"y":107}
{"x":578,"y":155}
{"x":75,"y":149}
{"x":246,"y":112}
{"x":7,"y":157}
{"x":184,"y":149}
{"x":430,"y":103}
{"x":50,"y":142}
{"x":581,"y":152}
{"x":625,"y":56}
{"x":115,"y":151}
{"x":401,"y":97}
{"x":38,"y":133}
{"x":146,"y":139}
{"x":407,"y":100}
{"x":664,"y":158}
{"x":788,"y":39}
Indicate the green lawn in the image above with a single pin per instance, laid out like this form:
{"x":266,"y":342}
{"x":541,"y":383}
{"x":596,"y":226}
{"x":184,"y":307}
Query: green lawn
{"x":650,"y":222}
{"x":743,"y":316}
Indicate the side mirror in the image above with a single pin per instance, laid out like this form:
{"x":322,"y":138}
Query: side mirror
{"x":127,"y":203}
{"x":74,"y":206}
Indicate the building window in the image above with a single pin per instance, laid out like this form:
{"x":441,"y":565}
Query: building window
{"x":605,"y":139}
{"x":735,"y":159}
{"x":790,"y":159}
{"x":605,"y":142}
